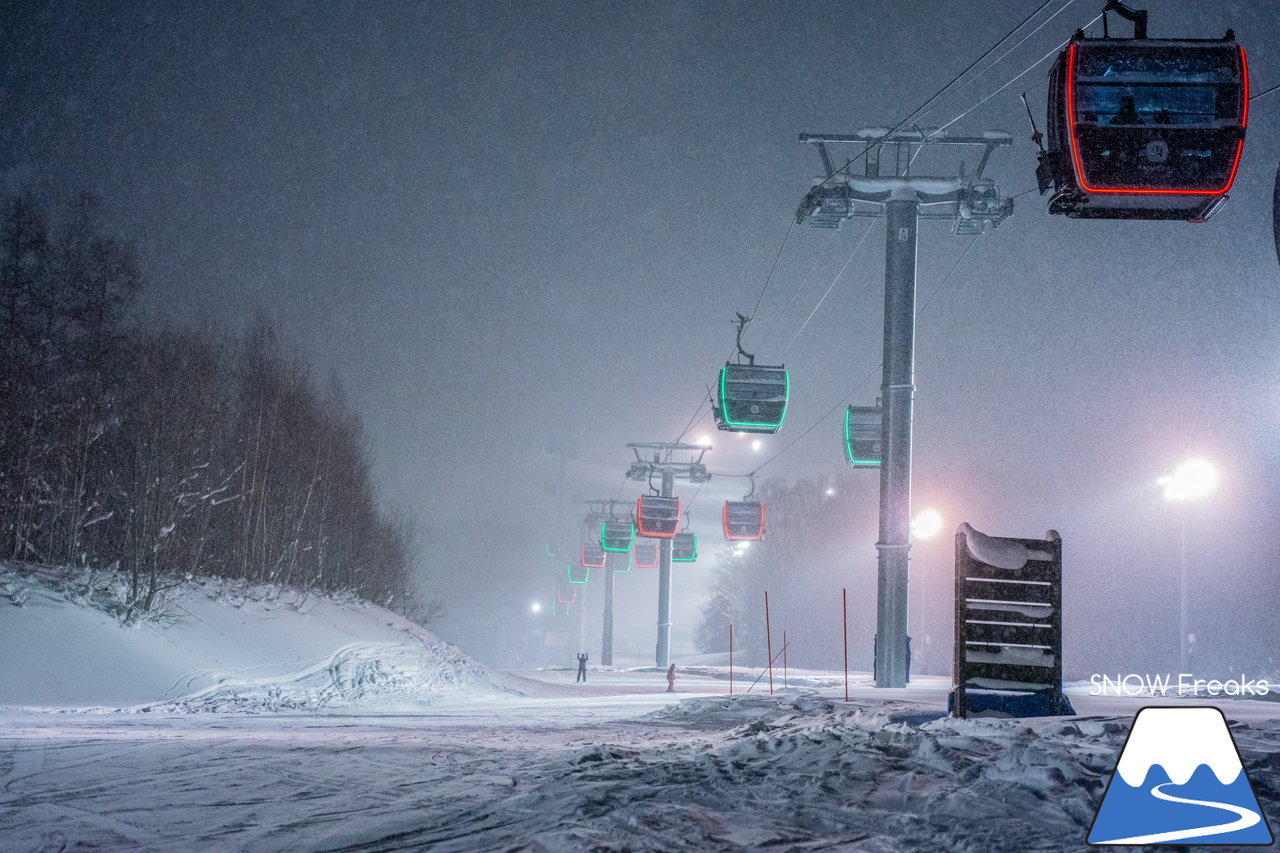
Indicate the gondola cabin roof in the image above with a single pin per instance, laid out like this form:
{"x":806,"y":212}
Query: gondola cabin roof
{"x":743,"y":520}
{"x":753,"y":397}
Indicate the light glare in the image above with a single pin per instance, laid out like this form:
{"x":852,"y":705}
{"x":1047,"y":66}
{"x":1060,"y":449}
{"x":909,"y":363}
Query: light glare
{"x":1193,"y":479}
{"x":926,"y":525}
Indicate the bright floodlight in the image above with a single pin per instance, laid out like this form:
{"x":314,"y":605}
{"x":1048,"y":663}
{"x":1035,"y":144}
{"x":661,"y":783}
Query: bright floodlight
{"x":831,"y":490}
{"x":926,"y":524}
{"x":537,"y":607}
{"x":1193,"y":479}
{"x":757,"y":444}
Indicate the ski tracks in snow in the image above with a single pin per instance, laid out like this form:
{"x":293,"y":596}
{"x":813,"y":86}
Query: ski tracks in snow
{"x":797,"y":771}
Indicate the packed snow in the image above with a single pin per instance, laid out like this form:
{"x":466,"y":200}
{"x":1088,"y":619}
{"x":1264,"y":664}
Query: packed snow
{"x":336,"y":725}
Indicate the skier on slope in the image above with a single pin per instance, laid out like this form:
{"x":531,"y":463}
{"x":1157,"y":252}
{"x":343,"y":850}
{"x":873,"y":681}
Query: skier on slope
{"x":582,"y":668}
{"x":671,"y":678}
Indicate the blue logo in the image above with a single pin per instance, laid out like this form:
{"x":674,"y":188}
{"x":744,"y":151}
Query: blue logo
{"x":1180,"y":780}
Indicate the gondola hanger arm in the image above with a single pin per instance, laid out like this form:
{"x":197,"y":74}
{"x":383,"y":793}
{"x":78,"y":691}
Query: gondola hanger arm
{"x":742,"y":325}
{"x":1137,"y":16}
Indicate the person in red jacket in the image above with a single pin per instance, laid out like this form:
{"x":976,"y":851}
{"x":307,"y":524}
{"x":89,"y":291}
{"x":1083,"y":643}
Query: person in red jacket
{"x":671,"y":678}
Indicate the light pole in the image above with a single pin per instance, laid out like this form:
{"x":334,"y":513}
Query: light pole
{"x":1193,"y":479}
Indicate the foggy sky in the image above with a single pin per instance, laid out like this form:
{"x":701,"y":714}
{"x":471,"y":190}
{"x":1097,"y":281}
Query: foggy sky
{"x":511,"y":228}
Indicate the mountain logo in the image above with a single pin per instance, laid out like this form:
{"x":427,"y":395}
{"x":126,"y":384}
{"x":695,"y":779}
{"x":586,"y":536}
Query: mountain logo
{"x":1180,"y":780}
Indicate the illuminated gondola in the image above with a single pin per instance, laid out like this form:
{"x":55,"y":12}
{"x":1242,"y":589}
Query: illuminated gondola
{"x":566,"y":594}
{"x":579,"y":573}
{"x":684,"y":548}
{"x":752,"y":397}
{"x":657,"y":516}
{"x":645,"y":554}
{"x":862,"y":436}
{"x":593,"y":556}
{"x":616,"y":535}
{"x":743,"y":519}
{"x":1143,"y":128}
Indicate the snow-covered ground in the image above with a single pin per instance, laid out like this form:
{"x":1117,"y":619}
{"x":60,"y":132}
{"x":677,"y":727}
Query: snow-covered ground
{"x":391,"y":740}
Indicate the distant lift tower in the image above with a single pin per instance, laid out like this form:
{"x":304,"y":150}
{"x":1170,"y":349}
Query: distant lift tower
{"x":654,"y":459}
{"x":615,"y":533}
{"x":883,"y":185}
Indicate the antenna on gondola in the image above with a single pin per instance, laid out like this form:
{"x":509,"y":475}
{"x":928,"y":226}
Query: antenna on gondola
{"x":1036,"y":136}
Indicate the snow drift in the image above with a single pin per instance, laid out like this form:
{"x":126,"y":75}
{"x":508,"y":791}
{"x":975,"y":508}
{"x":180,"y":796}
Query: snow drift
{"x":219,"y":646}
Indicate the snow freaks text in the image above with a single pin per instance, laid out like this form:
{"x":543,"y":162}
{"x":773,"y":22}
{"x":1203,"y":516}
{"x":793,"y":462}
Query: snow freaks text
{"x":1182,"y":684}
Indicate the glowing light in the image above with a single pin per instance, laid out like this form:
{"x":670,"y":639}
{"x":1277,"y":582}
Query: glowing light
{"x":831,"y":490}
{"x":926,"y":525}
{"x":536,"y":607}
{"x":757,"y":444}
{"x":1193,"y":479}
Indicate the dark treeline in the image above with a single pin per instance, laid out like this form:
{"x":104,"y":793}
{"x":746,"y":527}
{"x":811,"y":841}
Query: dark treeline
{"x":167,"y":452}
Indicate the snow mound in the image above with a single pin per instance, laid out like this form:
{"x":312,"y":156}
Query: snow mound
{"x":219,"y":645}
{"x":381,"y":676}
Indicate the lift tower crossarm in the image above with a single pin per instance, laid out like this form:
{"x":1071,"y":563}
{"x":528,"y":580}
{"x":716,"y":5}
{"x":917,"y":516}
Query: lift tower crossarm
{"x":970,"y":200}
{"x":693,"y":470}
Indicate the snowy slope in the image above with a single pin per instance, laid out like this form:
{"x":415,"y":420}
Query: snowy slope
{"x":222,"y":648}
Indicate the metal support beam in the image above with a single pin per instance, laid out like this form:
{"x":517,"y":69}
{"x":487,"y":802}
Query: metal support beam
{"x":973,"y":203}
{"x":896,"y":391}
{"x":663,"y":656}
{"x":606,"y":639}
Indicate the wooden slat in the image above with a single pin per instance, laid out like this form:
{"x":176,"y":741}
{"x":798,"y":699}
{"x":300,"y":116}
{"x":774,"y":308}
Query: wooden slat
{"x":1035,"y":674}
{"x":1022,"y":634}
{"x":1034,"y":570}
{"x":1007,"y":591}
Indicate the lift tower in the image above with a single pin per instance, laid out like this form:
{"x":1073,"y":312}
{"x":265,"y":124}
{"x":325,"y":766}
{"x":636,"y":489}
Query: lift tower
{"x":600,"y":511}
{"x":883,"y":185}
{"x":656,"y":459}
